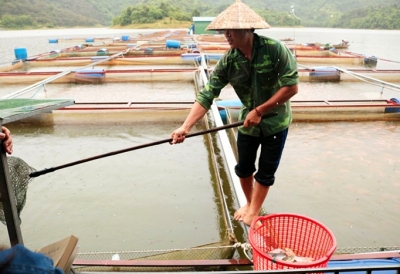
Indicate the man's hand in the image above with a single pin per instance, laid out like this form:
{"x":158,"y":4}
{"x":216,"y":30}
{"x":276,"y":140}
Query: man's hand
{"x":5,"y":136}
{"x":178,"y":136}
{"x":252,"y":119}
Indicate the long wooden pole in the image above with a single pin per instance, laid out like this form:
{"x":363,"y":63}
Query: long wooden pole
{"x":48,"y":170}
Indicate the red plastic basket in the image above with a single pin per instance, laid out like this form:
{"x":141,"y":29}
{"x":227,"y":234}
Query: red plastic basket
{"x":305,"y":236}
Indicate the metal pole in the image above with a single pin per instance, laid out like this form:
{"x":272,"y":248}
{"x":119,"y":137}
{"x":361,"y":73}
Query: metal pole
{"x":8,"y":200}
{"x":294,"y":28}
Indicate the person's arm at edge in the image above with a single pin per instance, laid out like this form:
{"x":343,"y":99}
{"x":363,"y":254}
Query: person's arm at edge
{"x":5,"y":136}
{"x":196,"y":113}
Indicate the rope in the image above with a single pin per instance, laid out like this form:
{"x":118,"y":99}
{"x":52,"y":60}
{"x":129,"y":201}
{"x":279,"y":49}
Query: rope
{"x":246,"y":247}
{"x":38,"y":89}
{"x":358,"y":54}
{"x":370,"y":80}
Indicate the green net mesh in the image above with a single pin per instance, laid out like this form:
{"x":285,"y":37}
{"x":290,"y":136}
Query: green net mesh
{"x":19,"y":176}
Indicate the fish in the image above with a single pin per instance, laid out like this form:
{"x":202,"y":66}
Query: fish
{"x":277,"y":254}
{"x":290,"y":259}
{"x":299,"y":259}
{"x":277,"y":251}
{"x":289,"y":252}
{"x":288,"y":255}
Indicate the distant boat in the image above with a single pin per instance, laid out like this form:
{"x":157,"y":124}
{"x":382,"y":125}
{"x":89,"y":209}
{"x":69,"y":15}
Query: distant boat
{"x":287,"y":39}
{"x":308,"y":46}
{"x":343,"y":45}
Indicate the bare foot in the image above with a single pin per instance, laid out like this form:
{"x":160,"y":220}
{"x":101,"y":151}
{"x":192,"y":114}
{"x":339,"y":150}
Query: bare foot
{"x":240,"y":213}
{"x":248,"y":220}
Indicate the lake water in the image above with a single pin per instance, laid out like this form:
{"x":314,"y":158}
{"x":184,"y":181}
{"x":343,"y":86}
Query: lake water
{"x":344,"y":174}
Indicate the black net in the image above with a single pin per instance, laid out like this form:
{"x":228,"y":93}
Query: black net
{"x":19,"y":176}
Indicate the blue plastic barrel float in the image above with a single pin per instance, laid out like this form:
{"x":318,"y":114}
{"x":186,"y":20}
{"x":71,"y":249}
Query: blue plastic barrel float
{"x":370,"y":62}
{"x":20,"y":53}
{"x":395,"y":108}
{"x":233,"y":105}
{"x":324,"y":74}
{"x":214,"y":56}
{"x":133,"y":45}
{"x":173,"y":44}
{"x":191,"y":45}
{"x":191,"y":56}
{"x":102,"y":52}
{"x":53,"y":41}
{"x":125,"y":38}
{"x":148,"y":51}
{"x":99,"y":58}
{"x":90,"y":75}
{"x":55,"y":53}
{"x":92,"y":72}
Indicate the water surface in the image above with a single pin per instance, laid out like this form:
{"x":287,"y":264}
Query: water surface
{"x":344,"y":174}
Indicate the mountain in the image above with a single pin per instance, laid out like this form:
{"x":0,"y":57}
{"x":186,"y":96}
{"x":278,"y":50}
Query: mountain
{"x":94,"y":13}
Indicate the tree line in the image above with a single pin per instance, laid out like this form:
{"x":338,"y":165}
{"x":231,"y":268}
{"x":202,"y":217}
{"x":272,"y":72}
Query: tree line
{"x":387,"y":17}
{"x":367,"y":14}
{"x":371,"y":18}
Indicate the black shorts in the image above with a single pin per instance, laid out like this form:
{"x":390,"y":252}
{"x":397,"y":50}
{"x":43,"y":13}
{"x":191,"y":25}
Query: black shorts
{"x":270,"y":156}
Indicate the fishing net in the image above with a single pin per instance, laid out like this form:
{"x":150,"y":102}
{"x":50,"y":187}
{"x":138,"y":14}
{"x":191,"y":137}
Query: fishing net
{"x":19,"y":176}
{"x":159,"y":260}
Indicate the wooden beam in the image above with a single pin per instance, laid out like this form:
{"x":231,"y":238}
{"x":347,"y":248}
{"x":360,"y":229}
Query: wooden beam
{"x":370,"y":255}
{"x":163,"y":263}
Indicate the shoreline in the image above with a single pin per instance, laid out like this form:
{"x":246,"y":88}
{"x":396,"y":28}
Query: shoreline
{"x":157,"y":25}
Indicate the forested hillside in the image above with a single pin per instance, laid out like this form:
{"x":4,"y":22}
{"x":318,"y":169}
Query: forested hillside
{"x":376,"y":14}
{"x":380,"y":14}
{"x":60,"y":13}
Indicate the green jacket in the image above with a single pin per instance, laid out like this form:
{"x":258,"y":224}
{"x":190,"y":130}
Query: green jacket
{"x":271,"y":67}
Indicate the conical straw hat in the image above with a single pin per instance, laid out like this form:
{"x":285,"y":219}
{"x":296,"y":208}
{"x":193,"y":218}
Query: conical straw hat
{"x":238,"y":16}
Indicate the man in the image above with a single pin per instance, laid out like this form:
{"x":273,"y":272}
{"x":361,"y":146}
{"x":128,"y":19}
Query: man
{"x":264,"y":75}
{"x":5,"y":137}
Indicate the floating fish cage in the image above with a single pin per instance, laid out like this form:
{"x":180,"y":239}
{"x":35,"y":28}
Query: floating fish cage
{"x":160,"y":110}
{"x":283,"y":228}
{"x":328,"y":110}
